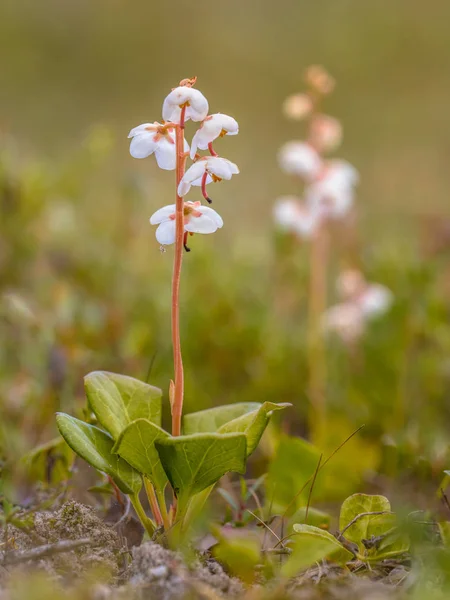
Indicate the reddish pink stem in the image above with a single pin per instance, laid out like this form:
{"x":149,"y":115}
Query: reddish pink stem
{"x":177,"y":405}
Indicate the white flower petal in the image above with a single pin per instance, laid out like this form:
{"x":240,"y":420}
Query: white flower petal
{"x":221,"y":167}
{"x":142,"y":129}
{"x":376,"y":300}
{"x":143,"y":145}
{"x":165,"y":154}
{"x":212,"y":214}
{"x":198,"y":182}
{"x":285,"y":211}
{"x":194,"y":172}
{"x":346,"y":320}
{"x":165,"y":234}
{"x":298,"y":158}
{"x":202,"y":224}
{"x":162,"y":214}
{"x":197,"y":109}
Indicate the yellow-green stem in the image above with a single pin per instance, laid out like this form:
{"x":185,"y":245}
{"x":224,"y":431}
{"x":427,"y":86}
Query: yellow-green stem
{"x":150,"y":527}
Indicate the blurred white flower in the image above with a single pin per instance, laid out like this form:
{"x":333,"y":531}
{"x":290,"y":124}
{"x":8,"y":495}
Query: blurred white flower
{"x":299,"y":158}
{"x":372,"y":298}
{"x":350,"y":284}
{"x":333,"y":192}
{"x":197,"y":219}
{"x":156,"y":138}
{"x":375,"y":300}
{"x":205,"y":170}
{"x":195,"y":102}
{"x":319,"y":79}
{"x":293,"y":216}
{"x":346,"y":320}
{"x":325,"y":133}
{"x":212,"y":127}
{"x":297,"y":106}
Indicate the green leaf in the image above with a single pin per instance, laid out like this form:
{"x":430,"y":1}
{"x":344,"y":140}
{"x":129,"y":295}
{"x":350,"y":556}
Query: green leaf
{"x":95,"y":446}
{"x":49,"y":463}
{"x":136,"y":444}
{"x":376,"y":535}
{"x":194,"y":462}
{"x":210,"y":420}
{"x":295,"y":462}
{"x":118,"y":400}
{"x":312,"y":544}
{"x":365,"y":526}
{"x":240,"y":552}
{"x":253,"y":423}
{"x":250,"y":418}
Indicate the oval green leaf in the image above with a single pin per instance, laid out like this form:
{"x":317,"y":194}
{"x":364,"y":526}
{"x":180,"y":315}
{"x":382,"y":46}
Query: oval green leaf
{"x":312,"y":544}
{"x":136,"y":444}
{"x":194,"y":462}
{"x":210,"y":420}
{"x":95,"y":447}
{"x":366,"y":525}
{"x":253,"y":423}
{"x":118,"y":400}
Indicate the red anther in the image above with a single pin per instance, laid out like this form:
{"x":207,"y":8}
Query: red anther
{"x":211,"y":150}
{"x":185,"y":241}
{"x":204,"y":192}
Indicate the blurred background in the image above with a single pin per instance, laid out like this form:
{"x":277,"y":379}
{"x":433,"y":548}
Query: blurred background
{"x":84,"y":285}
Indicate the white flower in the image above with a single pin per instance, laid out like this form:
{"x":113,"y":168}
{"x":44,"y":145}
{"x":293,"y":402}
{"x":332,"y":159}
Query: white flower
{"x":205,"y":170}
{"x":333,"y":192}
{"x":319,"y":79}
{"x":197,"y":219}
{"x":293,"y":216}
{"x":297,"y":106}
{"x":298,"y":158}
{"x":155,"y":138}
{"x":325,"y":133}
{"x":350,"y":284}
{"x":212,"y":127}
{"x":375,"y":300}
{"x":195,"y":102}
{"x":346,"y":320}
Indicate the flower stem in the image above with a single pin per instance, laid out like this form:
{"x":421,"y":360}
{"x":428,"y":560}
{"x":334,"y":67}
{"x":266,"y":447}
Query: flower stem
{"x":316,"y":354}
{"x":177,"y":405}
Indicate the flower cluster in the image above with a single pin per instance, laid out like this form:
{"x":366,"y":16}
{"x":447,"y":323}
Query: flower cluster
{"x":186,"y":103}
{"x":328,"y":184}
{"x":360,"y":302}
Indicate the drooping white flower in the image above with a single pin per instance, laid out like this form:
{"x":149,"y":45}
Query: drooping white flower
{"x":205,"y":170}
{"x":196,"y":104}
{"x":156,"y":138}
{"x":350,"y":284}
{"x":197,"y":219}
{"x":212,"y":127}
{"x":325,"y":133}
{"x":375,"y":300}
{"x":345,"y":320}
{"x":319,"y":79}
{"x":297,"y":106}
{"x":293,"y":216}
{"x":333,"y":192}
{"x":299,"y":158}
